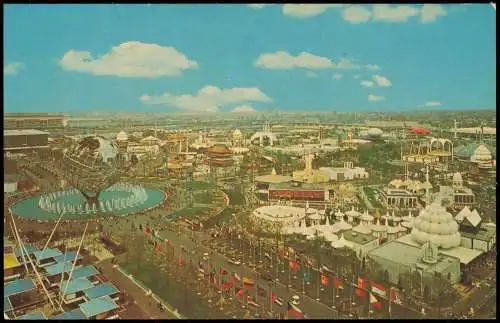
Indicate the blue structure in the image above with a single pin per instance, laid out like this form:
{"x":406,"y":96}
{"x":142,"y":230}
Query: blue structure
{"x":68,"y":256}
{"x":106,"y":289}
{"x":98,"y":306}
{"x":59,"y":268}
{"x":32,"y":316}
{"x":75,"y":285}
{"x":75,"y":314}
{"x":84,"y":272}
{"x":30,"y":249}
{"x":46,"y":254}
{"x":17,"y":287}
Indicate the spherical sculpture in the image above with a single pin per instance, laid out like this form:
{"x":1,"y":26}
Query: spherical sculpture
{"x":92,"y":165}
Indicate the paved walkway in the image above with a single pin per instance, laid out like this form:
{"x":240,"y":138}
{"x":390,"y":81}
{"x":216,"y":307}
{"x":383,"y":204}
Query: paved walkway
{"x":123,"y":283}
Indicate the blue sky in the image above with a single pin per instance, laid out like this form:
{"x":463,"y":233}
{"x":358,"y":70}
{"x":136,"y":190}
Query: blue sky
{"x":244,"y":58}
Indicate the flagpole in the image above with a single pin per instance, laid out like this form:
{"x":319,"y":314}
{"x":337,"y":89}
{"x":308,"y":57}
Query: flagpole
{"x":271,"y":298}
{"x":303,"y":284}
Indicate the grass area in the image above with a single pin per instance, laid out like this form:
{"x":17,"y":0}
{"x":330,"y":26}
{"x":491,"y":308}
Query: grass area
{"x":187,"y":212}
{"x":373,"y":196}
{"x":198,"y":185}
{"x":204,"y":197}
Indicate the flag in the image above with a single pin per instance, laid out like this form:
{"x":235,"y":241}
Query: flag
{"x":379,"y":289}
{"x":261,"y":291}
{"x":294,"y":311}
{"x":273,"y":297}
{"x":326,"y":269}
{"x":248,"y":282}
{"x":324,"y":279}
{"x":361,"y":288}
{"x":394,"y":296}
{"x":293,"y":265}
{"x":158,"y":247}
{"x":337,"y":283}
{"x":146,"y":230}
{"x":239,"y":292}
{"x":375,"y":302}
{"x":222,"y":271}
{"x":227,"y":285}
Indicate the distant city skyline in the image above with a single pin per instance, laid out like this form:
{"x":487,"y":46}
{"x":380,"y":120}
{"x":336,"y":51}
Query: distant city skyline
{"x":244,"y":58}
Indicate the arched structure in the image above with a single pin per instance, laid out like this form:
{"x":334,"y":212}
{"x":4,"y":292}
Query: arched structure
{"x":266,"y":134}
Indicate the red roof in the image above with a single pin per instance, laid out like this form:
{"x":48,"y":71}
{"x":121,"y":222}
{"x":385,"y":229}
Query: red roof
{"x":420,"y":131}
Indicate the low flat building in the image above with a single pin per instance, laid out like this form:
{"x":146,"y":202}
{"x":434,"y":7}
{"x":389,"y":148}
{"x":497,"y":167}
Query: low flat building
{"x":348,"y":172}
{"x":361,"y":243}
{"x":396,"y":198}
{"x":398,"y":258}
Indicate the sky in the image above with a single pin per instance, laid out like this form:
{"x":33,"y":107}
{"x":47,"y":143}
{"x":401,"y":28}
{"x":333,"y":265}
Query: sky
{"x":242,"y":58}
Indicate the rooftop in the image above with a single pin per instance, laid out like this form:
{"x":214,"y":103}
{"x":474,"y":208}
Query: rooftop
{"x":46,"y":254}
{"x":17,"y":286}
{"x":75,"y":314}
{"x":84,"y":272}
{"x":32,"y":316}
{"x":465,"y":255}
{"x":10,"y":261}
{"x":290,"y":186}
{"x":30,"y":249}
{"x":98,"y":306}
{"x":358,"y":238}
{"x":68,"y":256}
{"x":485,"y":233}
{"x":402,"y":253}
{"x":101,"y":290}
{"x":59,"y":268}
{"x":75,"y":285}
{"x":23,"y":132}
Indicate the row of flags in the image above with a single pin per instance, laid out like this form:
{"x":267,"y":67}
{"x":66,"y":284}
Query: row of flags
{"x":376,"y":293}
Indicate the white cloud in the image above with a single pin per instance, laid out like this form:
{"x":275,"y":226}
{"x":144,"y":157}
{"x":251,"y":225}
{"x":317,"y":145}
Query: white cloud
{"x":307,"y":10}
{"x":243,"y":109}
{"x":130,"y":59}
{"x":284,"y":61}
{"x":372,"y":67}
{"x":373,"y":98}
{"x":366,"y":83}
{"x":430,"y":12}
{"x":338,"y":76}
{"x":356,"y":76}
{"x":388,"y":13}
{"x":12,"y":68}
{"x":432,"y":104}
{"x":382,"y":81}
{"x":344,"y":63}
{"x":257,"y":6}
{"x":208,"y":99}
{"x":311,"y":74}
{"x":356,"y":14}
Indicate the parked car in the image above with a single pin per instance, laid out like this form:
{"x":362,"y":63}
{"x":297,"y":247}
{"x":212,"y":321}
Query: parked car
{"x":234,"y":262}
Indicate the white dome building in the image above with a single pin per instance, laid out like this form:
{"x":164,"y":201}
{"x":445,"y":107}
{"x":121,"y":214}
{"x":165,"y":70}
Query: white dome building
{"x":375,"y":132}
{"x":122,"y":136}
{"x":436,"y":225}
{"x":482,"y":157}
